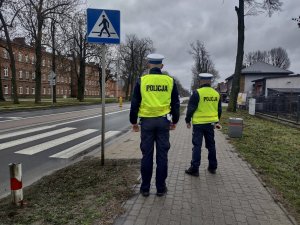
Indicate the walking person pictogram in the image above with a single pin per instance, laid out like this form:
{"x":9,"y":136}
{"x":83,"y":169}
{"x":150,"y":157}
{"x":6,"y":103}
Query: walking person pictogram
{"x":105,"y":24}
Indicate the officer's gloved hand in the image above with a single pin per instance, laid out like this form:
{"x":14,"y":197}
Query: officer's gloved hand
{"x":188,"y":125}
{"x":135,"y":127}
{"x":218,"y":126}
{"x":172,"y":126}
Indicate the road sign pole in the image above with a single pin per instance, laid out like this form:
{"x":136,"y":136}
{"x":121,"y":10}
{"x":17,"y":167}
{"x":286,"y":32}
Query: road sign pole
{"x":98,"y":21}
{"x":52,"y":92}
{"x":103,"y":103}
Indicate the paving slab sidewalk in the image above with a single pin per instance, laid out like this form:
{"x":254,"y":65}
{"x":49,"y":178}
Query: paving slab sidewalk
{"x":232,"y":196}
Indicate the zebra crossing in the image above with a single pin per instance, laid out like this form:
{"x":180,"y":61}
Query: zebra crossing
{"x":2,"y":118}
{"x":47,"y":139}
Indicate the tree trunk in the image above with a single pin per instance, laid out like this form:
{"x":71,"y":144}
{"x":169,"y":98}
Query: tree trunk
{"x":12,"y":62}
{"x":73,"y":66}
{"x":127,"y":87}
{"x":2,"y":99}
{"x":81,"y":80}
{"x":235,"y":87}
{"x":53,"y":58}
{"x":131,"y":87}
{"x":38,"y":64}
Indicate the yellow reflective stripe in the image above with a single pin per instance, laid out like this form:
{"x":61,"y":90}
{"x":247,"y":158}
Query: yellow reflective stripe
{"x":154,"y":111}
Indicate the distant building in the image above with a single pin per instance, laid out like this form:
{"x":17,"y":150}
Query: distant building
{"x":223,"y":90}
{"x":270,"y":86}
{"x":66,"y":76}
{"x":258,"y":70}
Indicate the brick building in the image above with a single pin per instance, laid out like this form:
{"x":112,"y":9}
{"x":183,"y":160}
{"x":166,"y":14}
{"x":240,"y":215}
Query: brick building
{"x":66,"y":78}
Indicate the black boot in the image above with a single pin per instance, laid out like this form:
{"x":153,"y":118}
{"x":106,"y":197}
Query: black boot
{"x":192,"y":172}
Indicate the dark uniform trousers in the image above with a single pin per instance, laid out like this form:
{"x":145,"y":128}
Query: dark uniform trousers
{"x":206,"y":130}
{"x":154,"y":130}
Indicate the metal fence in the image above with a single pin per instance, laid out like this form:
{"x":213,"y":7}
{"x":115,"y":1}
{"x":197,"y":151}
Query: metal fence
{"x":285,"y":107}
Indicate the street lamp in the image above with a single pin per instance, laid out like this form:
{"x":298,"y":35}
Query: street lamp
{"x":297,"y":20}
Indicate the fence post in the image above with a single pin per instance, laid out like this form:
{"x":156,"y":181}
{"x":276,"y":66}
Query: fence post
{"x":16,"y":188}
{"x":298,"y":109}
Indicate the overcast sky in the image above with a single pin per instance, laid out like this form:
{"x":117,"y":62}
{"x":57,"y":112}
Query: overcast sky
{"x":174,"y":24}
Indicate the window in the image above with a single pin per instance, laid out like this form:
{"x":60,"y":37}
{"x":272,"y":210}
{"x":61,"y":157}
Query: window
{"x":32,"y":60}
{"x":62,"y":91}
{"x":5,"y":89}
{"x":49,"y":63}
{"x":44,"y":77}
{"x":33,"y":76}
{"x":20,"y":74}
{"x":6,"y":72}
{"x":27,"y":75}
{"x":20,"y":90}
{"x":33,"y":91}
{"x":43,"y":62}
{"x":5,"y":54}
{"x":27,"y":90}
{"x":26,"y":58}
{"x":57,"y":79}
{"x":44,"y":90}
{"x":20,"y":57}
{"x":57,"y":91}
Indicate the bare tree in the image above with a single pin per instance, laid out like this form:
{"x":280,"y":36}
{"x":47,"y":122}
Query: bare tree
{"x":95,"y":55}
{"x":33,"y":16}
{"x":257,"y":56}
{"x":79,"y":52}
{"x":181,"y":90}
{"x":279,"y":58}
{"x":276,"y":57}
{"x":54,"y":37}
{"x":202,"y":63}
{"x":254,"y":7}
{"x":133,"y":59}
{"x":7,"y":18}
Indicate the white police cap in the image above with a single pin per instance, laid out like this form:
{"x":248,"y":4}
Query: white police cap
{"x":205,"y":76}
{"x":155,"y":58}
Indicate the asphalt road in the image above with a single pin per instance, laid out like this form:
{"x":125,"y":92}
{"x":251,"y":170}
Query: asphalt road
{"x":46,"y":140}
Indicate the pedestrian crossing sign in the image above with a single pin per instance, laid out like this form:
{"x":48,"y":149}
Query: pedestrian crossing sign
{"x":103,"y":26}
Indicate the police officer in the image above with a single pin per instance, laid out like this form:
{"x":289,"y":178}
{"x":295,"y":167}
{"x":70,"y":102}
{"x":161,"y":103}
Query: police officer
{"x":204,"y":109}
{"x":155,"y":97}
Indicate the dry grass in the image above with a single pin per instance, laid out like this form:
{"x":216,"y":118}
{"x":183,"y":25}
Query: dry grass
{"x":84,"y":193}
{"x":47,"y":103}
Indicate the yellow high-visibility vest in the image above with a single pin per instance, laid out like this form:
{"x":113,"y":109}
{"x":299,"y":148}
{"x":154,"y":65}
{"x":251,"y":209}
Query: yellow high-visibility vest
{"x":156,"y":95}
{"x":207,"y":111}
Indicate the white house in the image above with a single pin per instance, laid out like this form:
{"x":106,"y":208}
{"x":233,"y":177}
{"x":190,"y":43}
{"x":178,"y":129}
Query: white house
{"x":277,"y":85}
{"x":256,"y":71}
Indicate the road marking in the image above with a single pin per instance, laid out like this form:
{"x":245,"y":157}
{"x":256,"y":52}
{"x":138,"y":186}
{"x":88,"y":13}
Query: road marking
{"x":17,"y":133}
{"x":73,"y":121}
{"x":50,"y":144}
{"x":55,"y":114}
{"x":11,"y":118}
{"x":34,"y":137}
{"x":70,"y":152}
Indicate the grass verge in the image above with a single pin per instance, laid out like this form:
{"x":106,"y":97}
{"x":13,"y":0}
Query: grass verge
{"x":46,"y":103}
{"x":84,"y":193}
{"x":273,"y":149}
